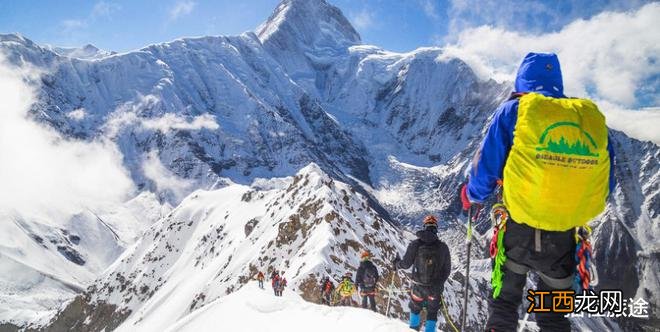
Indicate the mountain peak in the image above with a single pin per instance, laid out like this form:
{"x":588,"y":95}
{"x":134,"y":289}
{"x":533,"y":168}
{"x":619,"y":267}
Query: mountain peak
{"x":312,"y":23}
{"x":87,"y":52}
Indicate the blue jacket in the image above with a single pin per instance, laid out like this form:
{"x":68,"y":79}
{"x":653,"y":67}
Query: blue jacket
{"x":539,"y":72}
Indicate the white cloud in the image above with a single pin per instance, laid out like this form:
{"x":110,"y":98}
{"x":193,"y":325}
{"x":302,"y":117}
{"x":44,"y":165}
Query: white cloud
{"x":428,"y":6}
{"x":642,"y":124}
{"x":101,"y":9}
{"x":164,"y":179}
{"x":535,"y":16}
{"x":501,"y":13}
{"x":77,"y":114}
{"x":69,"y":25}
{"x":609,"y":57}
{"x":41,"y":171}
{"x":104,"y":9}
{"x":172,"y":121}
{"x":126,"y":116}
{"x":363,"y":20}
{"x":181,"y":8}
{"x":164,"y":124}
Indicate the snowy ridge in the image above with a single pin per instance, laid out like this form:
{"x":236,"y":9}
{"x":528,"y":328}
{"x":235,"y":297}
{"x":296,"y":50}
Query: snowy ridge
{"x":87,"y":52}
{"x":214,"y":242}
{"x":201,"y":122}
{"x":269,"y":313}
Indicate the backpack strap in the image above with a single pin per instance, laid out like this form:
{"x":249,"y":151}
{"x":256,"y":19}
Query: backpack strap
{"x":516,"y":95}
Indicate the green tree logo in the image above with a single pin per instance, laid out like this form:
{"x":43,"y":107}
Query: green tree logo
{"x":564,"y":145}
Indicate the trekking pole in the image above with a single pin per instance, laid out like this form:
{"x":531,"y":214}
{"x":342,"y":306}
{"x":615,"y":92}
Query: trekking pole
{"x":467,"y":269}
{"x":523,"y":325}
{"x":390,"y":288}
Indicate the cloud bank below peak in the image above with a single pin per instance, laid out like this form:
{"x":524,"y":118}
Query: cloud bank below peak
{"x":45,"y":172}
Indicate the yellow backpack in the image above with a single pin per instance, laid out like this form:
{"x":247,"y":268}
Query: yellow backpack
{"x":557,"y":173}
{"x":346,"y":288}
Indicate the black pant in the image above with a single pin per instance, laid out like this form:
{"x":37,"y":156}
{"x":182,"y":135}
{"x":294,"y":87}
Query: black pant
{"x":555,"y":259}
{"x":368,"y":295}
{"x":326,"y":297}
{"x":421,"y":296}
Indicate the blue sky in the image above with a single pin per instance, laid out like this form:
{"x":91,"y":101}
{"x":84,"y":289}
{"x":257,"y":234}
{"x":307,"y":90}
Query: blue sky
{"x":398,"y":25}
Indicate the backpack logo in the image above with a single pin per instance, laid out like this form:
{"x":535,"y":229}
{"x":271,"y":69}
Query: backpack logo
{"x":568,"y":145}
{"x":556,"y":141}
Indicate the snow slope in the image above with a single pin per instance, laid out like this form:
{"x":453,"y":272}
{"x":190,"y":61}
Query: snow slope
{"x":212,"y":117}
{"x":252,"y":309}
{"x":45,"y":260}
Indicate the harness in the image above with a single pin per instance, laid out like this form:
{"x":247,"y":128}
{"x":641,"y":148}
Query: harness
{"x":585,"y":277}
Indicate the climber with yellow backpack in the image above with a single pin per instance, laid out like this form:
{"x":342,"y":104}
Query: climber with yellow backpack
{"x":345,"y":290}
{"x":551,"y":159}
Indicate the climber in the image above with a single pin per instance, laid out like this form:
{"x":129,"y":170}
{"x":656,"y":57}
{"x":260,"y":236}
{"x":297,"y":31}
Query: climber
{"x":275,"y":283}
{"x":283,"y":283}
{"x":345,"y":290}
{"x":431,"y":264}
{"x":260,"y":279}
{"x":555,"y":161}
{"x":366,"y":279}
{"x":327,"y":287}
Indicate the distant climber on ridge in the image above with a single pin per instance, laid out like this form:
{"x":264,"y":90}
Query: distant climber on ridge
{"x":366,"y":279}
{"x":555,"y":161}
{"x":431,"y":264}
{"x":276,"y":283}
{"x":345,"y":290}
{"x":283,"y":283}
{"x":260,"y":279}
{"x":327,"y":288}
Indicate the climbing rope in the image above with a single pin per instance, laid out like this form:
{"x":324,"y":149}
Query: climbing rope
{"x":585,"y":276}
{"x":446,"y":312}
{"x":499,"y":216}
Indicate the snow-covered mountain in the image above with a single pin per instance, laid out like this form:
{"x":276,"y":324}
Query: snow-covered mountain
{"x":300,"y":134}
{"x":47,"y":259}
{"x":88,"y":51}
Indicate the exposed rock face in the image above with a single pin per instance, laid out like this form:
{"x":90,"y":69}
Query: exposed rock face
{"x":302,"y":221}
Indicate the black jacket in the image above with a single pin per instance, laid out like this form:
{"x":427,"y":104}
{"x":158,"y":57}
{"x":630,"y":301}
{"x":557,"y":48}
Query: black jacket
{"x":364,"y":266}
{"x":427,"y":237}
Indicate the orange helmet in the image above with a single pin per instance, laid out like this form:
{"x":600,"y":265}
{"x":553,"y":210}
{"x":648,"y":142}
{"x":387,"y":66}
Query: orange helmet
{"x":365,"y":254}
{"x":430,"y":220}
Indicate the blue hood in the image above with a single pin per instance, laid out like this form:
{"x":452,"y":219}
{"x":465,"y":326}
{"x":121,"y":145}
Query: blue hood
{"x":540,"y":72}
